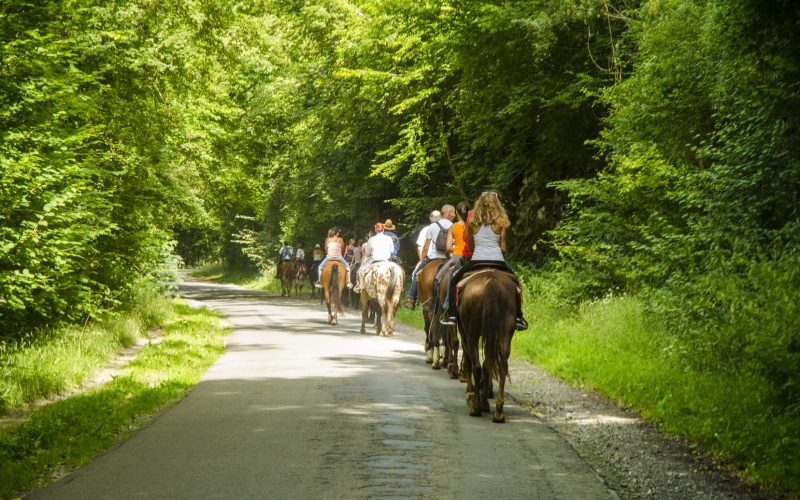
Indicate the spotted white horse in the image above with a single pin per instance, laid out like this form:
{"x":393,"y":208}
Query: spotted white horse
{"x":381,"y":287}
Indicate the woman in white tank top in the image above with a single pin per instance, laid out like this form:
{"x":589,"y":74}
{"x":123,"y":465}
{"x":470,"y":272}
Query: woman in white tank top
{"x":487,"y":240}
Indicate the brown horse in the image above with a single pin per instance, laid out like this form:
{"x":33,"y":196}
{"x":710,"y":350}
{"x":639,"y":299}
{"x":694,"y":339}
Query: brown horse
{"x":424,"y":293}
{"x":382,"y":286}
{"x":443,"y":334}
{"x":334,"y":281}
{"x":486,"y":315}
{"x":287,"y":273}
{"x":300,"y":278}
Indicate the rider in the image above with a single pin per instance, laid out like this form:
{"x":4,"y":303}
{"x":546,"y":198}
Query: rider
{"x":300,"y":255}
{"x":487,"y":239}
{"x":456,"y":244}
{"x":334,"y":245}
{"x":388,"y":230}
{"x":316,"y":256}
{"x":440,"y":221}
{"x":285,"y":253}
{"x":379,"y":249}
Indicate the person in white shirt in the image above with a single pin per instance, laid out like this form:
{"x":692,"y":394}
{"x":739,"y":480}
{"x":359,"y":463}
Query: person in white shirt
{"x":379,"y":248}
{"x":440,"y":221}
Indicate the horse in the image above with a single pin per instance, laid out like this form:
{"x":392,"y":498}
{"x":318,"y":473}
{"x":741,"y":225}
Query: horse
{"x":314,"y":277}
{"x":486,"y":316}
{"x":424,"y":291}
{"x":334,"y":282}
{"x":300,"y":278}
{"x":382,"y":285}
{"x":354,"y":298}
{"x":448,"y":335}
{"x":287,"y":272}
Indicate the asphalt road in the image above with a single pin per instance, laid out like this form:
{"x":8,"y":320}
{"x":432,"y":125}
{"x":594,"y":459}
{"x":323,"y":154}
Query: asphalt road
{"x":299,"y":409}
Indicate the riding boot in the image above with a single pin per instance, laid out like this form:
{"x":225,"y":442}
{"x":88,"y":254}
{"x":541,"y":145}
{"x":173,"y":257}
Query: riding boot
{"x":520,"y":322}
{"x":449,"y":316}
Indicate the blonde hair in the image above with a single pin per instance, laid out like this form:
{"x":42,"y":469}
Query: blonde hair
{"x":489,"y":211}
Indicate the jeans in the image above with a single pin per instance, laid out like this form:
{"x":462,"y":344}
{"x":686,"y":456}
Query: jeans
{"x":412,"y":290}
{"x":325,"y":261}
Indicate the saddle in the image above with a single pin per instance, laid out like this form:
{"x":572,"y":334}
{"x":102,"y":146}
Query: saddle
{"x":483,"y":269}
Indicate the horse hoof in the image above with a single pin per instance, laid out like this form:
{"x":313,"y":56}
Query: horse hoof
{"x":436,"y":366}
{"x":474,"y":413}
{"x":499,"y":419}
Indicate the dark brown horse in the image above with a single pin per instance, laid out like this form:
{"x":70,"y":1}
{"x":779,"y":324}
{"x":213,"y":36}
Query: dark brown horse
{"x":287,"y":273}
{"x":334,"y":282}
{"x":300,"y":278}
{"x":424,"y":294}
{"x":446,"y":335}
{"x":486,"y":315}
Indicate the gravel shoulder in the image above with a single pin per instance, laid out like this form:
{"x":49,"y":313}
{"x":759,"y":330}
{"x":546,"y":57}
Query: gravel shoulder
{"x":635,"y":457}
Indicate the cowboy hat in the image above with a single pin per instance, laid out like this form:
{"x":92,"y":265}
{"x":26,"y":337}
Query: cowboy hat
{"x":388,"y":225}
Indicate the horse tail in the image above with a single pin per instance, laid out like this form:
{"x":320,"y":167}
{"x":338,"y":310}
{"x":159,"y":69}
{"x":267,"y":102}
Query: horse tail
{"x":336,"y":293}
{"x":493,"y":322}
{"x":392,"y":283}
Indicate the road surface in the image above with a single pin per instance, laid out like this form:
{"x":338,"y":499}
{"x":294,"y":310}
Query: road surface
{"x":296,"y":408}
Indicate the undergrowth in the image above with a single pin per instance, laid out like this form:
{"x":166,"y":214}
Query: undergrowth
{"x":615,"y":347}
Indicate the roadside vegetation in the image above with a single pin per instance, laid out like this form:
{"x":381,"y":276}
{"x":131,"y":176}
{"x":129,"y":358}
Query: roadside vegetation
{"x":647,"y":152}
{"x":51,"y":425}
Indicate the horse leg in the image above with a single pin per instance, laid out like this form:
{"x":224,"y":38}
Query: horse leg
{"x":428,"y":344}
{"x":364,"y":312}
{"x":474,"y":397}
{"x":499,"y":417}
{"x":380,"y":326}
{"x":452,"y":368}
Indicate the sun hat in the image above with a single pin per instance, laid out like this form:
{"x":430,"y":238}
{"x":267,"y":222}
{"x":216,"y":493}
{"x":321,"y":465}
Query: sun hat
{"x":389,"y":225}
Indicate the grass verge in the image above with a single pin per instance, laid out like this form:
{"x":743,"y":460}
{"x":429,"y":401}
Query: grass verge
{"x":263,"y":281}
{"x":68,"y":433}
{"x":615,"y":347}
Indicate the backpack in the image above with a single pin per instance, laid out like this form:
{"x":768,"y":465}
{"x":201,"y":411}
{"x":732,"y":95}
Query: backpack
{"x":441,"y":239}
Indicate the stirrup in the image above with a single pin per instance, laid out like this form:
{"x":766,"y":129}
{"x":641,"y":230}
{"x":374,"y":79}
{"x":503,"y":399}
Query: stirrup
{"x":317,"y":285}
{"x":448,"y":320}
{"x":521,"y":323}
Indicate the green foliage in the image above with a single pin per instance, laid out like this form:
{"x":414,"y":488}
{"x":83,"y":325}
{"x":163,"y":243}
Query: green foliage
{"x":617,"y":346}
{"x":702,"y":217}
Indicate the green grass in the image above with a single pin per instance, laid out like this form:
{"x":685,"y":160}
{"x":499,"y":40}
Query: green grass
{"x":613,"y":346}
{"x":263,"y":281}
{"x":67,"y":433}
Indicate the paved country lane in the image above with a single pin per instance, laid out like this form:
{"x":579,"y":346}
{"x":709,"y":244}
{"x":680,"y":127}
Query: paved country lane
{"x":298,"y":409}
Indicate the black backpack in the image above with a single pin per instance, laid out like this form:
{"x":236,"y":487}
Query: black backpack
{"x":441,"y":239}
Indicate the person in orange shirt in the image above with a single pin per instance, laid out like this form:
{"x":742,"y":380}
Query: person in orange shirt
{"x":456,"y":246}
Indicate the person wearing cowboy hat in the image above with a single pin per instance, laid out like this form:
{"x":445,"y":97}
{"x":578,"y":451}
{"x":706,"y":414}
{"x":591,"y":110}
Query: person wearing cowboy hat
{"x":379,"y":248}
{"x":388,"y":230}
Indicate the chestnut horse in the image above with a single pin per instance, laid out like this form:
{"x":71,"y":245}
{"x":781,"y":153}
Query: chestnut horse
{"x":424,"y":291}
{"x":334,"y":282}
{"x":486,"y":315}
{"x":287,"y":273}
{"x":300,"y":278}
{"x":382,"y":286}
